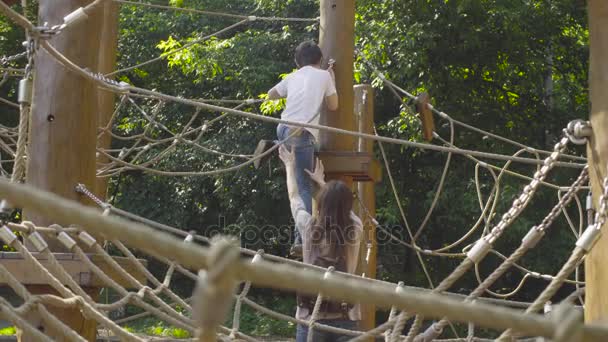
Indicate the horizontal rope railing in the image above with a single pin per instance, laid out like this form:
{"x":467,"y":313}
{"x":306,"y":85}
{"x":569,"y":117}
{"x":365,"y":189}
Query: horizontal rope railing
{"x":283,"y":276}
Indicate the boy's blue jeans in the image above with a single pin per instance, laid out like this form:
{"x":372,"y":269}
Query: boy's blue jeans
{"x":303,"y":145}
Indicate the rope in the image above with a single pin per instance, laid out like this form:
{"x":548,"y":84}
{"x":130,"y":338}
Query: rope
{"x":394,"y":88}
{"x":525,"y":246}
{"x":124,"y":88}
{"x":270,"y":274}
{"x":220,"y":14}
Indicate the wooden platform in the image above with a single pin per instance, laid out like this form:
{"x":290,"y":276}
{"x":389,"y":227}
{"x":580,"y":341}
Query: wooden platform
{"x":79,"y":271}
{"x":359,"y":165}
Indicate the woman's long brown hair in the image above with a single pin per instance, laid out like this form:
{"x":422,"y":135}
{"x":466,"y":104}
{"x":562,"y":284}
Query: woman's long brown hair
{"x":333,"y":224}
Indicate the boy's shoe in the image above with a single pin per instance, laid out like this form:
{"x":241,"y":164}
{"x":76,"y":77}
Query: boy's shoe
{"x":262,"y":147}
{"x":296,"y":251}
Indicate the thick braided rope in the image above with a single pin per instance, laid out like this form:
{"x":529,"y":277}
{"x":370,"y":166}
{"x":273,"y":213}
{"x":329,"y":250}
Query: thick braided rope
{"x":312,"y":322}
{"x":524,"y":247}
{"x":180,"y":322}
{"x":575,"y":258}
{"x":516,"y":208}
{"x":236,"y":318}
{"x":414,"y":329}
{"x":140,"y":268}
{"x":377,"y":331}
{"x":267,"y":274}
{"x":86,"y":303}
{"x":7,"y":312}
{"x":135,"y":283}
{"x":20,"y":166}
{"x":47,"y":317}
{"x":556,"y":284}
{"x":399,"y":326}
{"x":263,"y":309}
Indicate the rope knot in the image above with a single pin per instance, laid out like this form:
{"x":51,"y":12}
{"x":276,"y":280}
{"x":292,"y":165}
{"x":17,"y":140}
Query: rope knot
{"x":568,"y":323}
{"x":215,"y":288}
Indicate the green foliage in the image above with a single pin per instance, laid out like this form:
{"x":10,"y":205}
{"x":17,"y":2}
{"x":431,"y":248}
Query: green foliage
{"x":154,"y":327}
{"x":514,"y":68}
{"x":8,"y":331}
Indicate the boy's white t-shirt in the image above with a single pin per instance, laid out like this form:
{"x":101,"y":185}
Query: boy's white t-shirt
{"x":305,"y":90}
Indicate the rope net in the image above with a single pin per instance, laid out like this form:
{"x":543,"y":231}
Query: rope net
{"x":221,"y":275}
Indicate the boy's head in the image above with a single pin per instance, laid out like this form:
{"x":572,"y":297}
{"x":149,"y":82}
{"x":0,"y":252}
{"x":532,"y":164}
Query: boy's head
{"x":308,"y":53}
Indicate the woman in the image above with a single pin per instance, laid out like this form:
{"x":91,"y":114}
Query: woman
{"x":330,"y":237}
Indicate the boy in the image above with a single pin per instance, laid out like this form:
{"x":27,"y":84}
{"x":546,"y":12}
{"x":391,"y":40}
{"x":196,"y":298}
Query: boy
{"x":305,"y":90}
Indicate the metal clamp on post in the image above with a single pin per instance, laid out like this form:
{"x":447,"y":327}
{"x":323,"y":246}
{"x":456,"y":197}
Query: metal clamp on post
{"x":589,"y":201}
{"x":66,"y":240}
{"x":7,"y":235}
{"x":479,"y":250}
{"x":38,"y":242}
{"x":532,"y":238}
{"x":87,"y":239}
{"x":6,"y":210}
{"x":588,"y":238}
{"x":74,"y":17}
{"x":25,"y":91}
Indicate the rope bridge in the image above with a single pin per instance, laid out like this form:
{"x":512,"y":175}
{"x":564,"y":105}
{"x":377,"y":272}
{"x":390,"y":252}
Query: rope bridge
{"x":224,"y":273}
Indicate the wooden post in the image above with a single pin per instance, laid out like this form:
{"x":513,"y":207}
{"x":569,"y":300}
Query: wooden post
{"x":596,"y":274}
{"x":63,"y":131}
{"x":337,"y":37}
{"x":106,"y":64}
{"x":344,"y":156}
{"x":364,"y":109}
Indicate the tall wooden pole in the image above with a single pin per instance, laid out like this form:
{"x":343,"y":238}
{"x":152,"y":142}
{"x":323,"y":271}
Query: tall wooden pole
{"x":596,"y":274}
{"x":106,"y":64}
{"x":337,"y":38}
{"x":364,"y":109}
{"x":63,"y":129}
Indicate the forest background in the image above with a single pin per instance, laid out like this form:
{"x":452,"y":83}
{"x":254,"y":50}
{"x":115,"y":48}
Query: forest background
{"x":514,"y":68}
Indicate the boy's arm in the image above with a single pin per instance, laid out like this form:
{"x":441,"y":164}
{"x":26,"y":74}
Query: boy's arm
{"x":273,"y":94}
{"x":279,"y":91}
{"x":331,"y":101}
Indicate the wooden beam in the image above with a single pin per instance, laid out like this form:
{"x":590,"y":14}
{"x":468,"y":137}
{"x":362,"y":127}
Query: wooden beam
{"x":596,"y":274}
{"x":360,"y":166}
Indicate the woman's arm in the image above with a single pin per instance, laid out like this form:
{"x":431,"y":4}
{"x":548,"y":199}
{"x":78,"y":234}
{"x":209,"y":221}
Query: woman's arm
{"x":318,"y":176}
